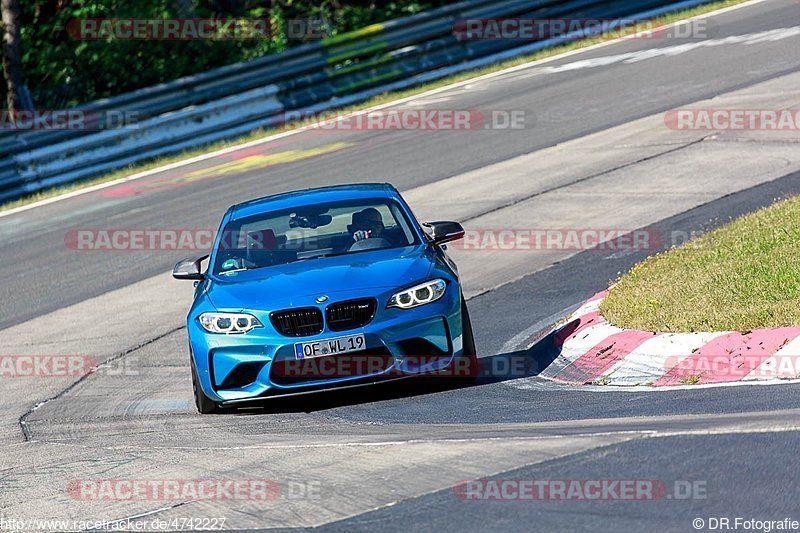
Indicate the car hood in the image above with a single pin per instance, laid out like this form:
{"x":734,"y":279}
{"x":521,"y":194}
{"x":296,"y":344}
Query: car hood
{"x":286,"y":285}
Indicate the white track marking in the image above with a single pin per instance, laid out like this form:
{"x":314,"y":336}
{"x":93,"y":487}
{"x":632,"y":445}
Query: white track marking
{"x":588,"y":307}
{"x":784,"y":364}
{"x":575,"y":347}
{"x":654,"y":357}
{"x":641,"y":55}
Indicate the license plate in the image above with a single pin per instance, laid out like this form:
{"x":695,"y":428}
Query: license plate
{"x":337,"y":345}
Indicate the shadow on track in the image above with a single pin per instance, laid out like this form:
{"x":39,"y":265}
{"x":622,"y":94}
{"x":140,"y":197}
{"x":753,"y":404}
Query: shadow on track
{"x":493,"y":369}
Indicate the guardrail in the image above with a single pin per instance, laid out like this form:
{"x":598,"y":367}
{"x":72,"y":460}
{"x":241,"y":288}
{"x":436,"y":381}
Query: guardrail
{"x":236,"y":99}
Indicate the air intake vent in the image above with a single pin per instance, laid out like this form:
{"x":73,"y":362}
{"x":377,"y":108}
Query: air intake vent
{"x":243,"y":375}
{"x":350,"y":314}
{"x":298,"y":322}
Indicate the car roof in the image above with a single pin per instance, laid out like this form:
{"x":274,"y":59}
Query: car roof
{"x":334,"y":193}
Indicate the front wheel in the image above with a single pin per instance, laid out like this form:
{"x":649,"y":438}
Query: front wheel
{"x":203,"y":403}
{"x":470,"y":353}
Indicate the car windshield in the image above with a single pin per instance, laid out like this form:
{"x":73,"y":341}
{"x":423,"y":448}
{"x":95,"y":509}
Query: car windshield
{"x":310,"y":232}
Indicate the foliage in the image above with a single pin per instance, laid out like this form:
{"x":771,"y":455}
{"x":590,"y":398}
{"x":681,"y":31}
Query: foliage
{"x":62,"y":71}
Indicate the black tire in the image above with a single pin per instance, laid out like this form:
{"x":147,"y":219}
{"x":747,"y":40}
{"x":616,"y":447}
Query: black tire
{"x":203,"y":403}
{"x":470,"y":352}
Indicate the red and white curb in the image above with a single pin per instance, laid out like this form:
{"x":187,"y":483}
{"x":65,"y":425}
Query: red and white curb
{"x":593,"y":352}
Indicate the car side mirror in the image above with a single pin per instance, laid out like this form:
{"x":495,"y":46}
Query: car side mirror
{"x":444,"y":231}
{"x":189,"y":268}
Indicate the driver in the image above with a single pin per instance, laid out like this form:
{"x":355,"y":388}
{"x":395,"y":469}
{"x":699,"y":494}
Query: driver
{"x":367,"y":224}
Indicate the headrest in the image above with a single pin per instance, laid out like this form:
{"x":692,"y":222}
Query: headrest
{"x":263,"y":239}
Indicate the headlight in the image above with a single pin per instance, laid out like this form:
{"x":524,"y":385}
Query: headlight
{"x":421,"y":294}
{"x":229,"y":322}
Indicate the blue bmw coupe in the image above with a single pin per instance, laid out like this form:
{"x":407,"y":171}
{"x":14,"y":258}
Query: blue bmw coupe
{"x":331,"y":287}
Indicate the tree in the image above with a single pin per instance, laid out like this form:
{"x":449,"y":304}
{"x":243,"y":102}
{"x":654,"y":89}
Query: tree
{"x":12,"y":55}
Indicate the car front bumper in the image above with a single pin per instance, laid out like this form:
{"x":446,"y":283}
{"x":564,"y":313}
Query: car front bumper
{"x":262,"y":363}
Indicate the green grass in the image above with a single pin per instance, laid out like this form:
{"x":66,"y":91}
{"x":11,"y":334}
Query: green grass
{"x":694,"y":379}
{"x":377,"y":100}
{"x":742,"y":276}
{"x":602,"y":380}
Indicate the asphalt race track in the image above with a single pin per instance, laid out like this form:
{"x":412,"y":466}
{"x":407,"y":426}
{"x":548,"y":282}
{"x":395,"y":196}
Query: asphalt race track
{"x":594,"y":152}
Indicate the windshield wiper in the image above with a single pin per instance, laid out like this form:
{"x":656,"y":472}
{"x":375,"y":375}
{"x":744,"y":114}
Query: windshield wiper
{"x":320,"y":256}
{"x":243,"y":269}
{"x":226,"y":272}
